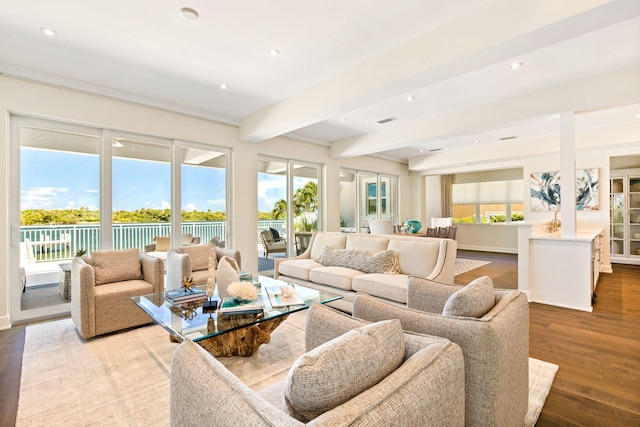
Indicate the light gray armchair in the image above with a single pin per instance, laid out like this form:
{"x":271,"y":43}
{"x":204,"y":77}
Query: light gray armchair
{"x":427,"y":389}
{"x":102,"y":286}
{"x":495,"y":345}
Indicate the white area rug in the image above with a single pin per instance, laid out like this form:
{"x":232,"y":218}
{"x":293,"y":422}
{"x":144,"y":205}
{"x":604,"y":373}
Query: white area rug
{"x":463,"y":265}
{"x":123,"y":379}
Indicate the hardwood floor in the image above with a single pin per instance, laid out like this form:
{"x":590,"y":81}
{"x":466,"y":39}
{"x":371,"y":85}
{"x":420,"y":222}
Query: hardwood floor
{"x":598,"y":383}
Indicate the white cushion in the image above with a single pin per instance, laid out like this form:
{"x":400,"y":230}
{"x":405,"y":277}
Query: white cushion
{"x":342,"y":368}
{"x":297,"y":268}
{"x":391,"y":287}
{"x":336,"y":240}
{"x":366,"y":242}
{"x":416,"y":257}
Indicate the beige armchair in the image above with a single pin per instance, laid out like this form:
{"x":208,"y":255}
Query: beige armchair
{"x":270,"y":245}
{"x":193,"y":261}
{"x":102,"y":286}
{"x":163,"y":244}
{"x":495,"y":345}
{"x":426,"y":389}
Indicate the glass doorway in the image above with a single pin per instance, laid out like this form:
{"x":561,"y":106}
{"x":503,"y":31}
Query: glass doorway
{"x":289,"y":208}
{"x":56,"y":214}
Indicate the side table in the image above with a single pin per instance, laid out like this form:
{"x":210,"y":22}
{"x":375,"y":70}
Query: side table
{"x":65,"y":281}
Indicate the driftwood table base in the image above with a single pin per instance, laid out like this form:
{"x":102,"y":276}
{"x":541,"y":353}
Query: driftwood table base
{"x":242,"y":342}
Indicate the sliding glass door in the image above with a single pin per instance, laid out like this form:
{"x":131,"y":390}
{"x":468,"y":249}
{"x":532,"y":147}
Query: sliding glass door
{"x":56,"y":213}
{"x":288,"y":204}
{"x":78,"y":189}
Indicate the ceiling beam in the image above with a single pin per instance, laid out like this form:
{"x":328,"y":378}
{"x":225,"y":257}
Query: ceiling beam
{"x":501,"y":30}
{"x":604,"y":91}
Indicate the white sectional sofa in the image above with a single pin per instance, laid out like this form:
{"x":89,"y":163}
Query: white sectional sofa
{"x":378,"y":265}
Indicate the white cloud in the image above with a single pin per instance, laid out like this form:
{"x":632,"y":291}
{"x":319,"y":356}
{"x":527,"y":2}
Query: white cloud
{"x":41,"y":197}
{"x":93,"y":191}
{"x":190,"y":207}
{"x":165,"y":205}
{"x":70,"y":205}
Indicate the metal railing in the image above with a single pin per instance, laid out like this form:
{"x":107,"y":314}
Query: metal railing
{"x":61,"y":242}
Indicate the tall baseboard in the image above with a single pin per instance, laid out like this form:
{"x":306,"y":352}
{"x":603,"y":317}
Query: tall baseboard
{"x":488,"y":249}
{"x":5,"y":323}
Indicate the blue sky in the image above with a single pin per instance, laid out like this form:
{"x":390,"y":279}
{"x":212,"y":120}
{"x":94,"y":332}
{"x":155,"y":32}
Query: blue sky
{"x":62,"y":180}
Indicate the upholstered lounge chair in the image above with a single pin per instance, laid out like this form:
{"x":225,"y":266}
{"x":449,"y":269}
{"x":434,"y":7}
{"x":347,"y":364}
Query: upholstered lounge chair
{"x":495,"y":344}
{"x":102,"y":286}
{"x":427,"y":389}
{"x":270,"y":245}
{"x":193,"y":261}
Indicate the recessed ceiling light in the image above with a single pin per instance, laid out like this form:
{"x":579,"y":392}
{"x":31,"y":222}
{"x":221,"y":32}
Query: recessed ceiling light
{"x":48,"y":32}
{"x":421,"y":150}
{"x":516,"y":65}
{"x":410,"y":98}
{"x":274,"y":52}
{"x":637,"y":116}
{"x":477,"y":141}
{"x":189,"y":13}
{"x":342,"y":119}
{"x":224,"y":86}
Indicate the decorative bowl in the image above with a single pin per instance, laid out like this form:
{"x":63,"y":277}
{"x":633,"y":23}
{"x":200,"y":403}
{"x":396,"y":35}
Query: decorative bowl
{"x":414,"y":226}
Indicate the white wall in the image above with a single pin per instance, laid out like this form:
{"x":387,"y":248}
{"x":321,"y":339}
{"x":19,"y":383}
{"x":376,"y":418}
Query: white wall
{"x":38,"y":100}
{"x":595,"y":147}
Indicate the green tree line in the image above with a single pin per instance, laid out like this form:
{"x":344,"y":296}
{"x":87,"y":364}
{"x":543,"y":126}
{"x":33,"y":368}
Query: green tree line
{"x":86,"y":216}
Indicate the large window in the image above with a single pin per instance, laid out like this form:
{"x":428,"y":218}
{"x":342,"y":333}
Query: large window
{"x":79,"y":189}
{"x":484,"y":197}
{"x":204,"y":193}
{"x":141,"y":191}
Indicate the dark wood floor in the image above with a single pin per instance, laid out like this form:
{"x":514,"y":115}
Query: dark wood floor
{"x":598,"y":383}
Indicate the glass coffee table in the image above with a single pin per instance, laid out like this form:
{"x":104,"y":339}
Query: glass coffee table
{"x":227,"y":334}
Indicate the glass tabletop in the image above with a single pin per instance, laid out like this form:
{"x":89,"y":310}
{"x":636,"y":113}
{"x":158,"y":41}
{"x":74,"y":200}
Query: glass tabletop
{"x":188,"y":320}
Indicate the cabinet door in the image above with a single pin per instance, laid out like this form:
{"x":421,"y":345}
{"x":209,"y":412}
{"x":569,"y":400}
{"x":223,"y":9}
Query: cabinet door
{"x":634,"y":216}
{"x":617,"y":216}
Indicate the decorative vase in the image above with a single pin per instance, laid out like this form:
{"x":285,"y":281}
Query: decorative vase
{"x":414,"y":226}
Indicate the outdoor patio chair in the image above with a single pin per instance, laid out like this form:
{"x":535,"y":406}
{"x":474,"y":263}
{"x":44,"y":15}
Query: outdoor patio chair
{"x":270,"y":245}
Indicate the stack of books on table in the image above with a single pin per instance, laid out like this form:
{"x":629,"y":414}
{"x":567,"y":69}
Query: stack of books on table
{"x":279,"y":300}
{"x":180,"y":296}
{"x":230,"y":305}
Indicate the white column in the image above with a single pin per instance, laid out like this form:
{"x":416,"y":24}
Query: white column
{"x":567,"y":175}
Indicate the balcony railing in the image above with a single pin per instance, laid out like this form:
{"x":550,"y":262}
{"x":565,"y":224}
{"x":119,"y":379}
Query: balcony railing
{"x":61,"y":242}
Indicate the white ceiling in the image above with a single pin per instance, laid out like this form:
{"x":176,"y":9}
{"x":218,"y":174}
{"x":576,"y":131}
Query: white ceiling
{"x":356,"y":60}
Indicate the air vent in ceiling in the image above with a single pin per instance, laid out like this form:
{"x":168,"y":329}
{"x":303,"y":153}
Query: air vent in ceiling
{"x":508,"y":137}
{"x":387,"y":120}
{"x":433,"y":150}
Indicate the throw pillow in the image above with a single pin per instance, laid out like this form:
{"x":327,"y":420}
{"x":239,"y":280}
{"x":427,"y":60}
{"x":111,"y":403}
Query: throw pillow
{"x":340,"y":369}
{"x":275,"y":234}
{"x":116,"y":266}
{"x":162,"y":244}
{"x":385,"y":262}
{"x":186,"y":239}
{"x":474,"y":300}
{"x":199,"y":256}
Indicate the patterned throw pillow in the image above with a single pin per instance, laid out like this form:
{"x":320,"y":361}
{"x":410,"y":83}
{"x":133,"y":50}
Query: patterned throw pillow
{"x":474,"y":300}
{"x":385,"y":262}
{"x":116,"y":266}
{"x":342,"y":368}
